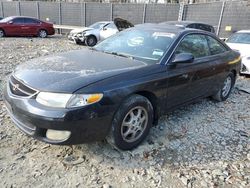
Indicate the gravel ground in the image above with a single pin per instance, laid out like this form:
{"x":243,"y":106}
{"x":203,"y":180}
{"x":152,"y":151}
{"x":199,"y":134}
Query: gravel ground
{"x":205,"y":144}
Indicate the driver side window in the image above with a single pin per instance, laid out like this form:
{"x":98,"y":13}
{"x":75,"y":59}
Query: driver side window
{"x":18,"y":21}
{"x":195,"y":44}
{"x":110,"y":26}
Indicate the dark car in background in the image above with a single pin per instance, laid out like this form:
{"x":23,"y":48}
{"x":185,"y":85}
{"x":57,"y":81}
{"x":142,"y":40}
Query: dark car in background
{"x":192,"y":24}
{"x":119,"y":88}
{"x":25,"y":26}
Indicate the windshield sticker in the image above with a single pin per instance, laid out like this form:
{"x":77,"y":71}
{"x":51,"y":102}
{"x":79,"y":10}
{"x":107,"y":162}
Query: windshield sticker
{"x":163,"y":34}
{"x":158,"y":53}
{"x":136,"y":41}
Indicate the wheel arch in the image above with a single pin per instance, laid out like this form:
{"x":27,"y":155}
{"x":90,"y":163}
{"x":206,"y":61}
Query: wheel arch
{"x":153,"y":99}
{"x":2,"y":30}
{"x":91,"y":34}
{"x":234,"y":72}
{"x":43,"y":29}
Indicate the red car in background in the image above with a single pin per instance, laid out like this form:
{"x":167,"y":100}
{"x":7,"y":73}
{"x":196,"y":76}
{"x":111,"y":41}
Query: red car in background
{"x":25,"y":26}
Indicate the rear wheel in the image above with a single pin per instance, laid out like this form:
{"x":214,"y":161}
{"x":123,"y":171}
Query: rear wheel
{"x":91,"y":40}
{"x":2,"y":34}
{"x":131,"y":123}
{"x":42,"y":33}
{"x":226,"y":89}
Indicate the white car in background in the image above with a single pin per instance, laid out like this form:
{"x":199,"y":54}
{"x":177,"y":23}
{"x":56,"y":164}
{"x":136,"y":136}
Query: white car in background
{"x":240,"y":41}
{"x":98,"y":31}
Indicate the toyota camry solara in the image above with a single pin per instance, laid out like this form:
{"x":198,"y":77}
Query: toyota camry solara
{"x":118,"y":89}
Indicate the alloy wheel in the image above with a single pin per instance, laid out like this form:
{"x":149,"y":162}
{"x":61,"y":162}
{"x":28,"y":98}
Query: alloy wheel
{"x":134,"y":124}
{"x":42,"y":34}
{"x":91,"y":41}
{"x":1,"y":33}
{"x":227,"y":86}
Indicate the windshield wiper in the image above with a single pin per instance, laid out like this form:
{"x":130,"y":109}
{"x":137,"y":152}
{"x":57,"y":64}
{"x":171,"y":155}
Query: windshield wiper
{"x":119,"y":54}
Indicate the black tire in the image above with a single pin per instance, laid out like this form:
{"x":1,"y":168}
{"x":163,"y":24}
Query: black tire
{"x":143,"y":107}
{"x":79,"y":42}
{"x":42,"y":33}
{"x":2,"y":33}
{"x":91,"y":41}
{"x":226,"y":89}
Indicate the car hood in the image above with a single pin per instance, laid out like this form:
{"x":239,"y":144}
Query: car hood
{"x":242,"y":48}
{"x":68,"y":72}
{"x":74,"y":31}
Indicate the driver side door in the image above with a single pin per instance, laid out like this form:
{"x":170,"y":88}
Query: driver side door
{"x":108,"y":30}
{"x":188,"y":81}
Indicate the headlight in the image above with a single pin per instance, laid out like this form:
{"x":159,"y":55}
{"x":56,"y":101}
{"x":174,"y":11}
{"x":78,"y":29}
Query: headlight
{"x":62,"y":100}
{"x":83,"y":99}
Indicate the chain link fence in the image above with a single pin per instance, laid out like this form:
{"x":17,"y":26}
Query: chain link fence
{"x":219,"y":14}
{"x":235,"y":14}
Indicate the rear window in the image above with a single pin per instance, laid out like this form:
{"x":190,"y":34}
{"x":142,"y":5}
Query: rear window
{"x":7,"y":19}
{"x":203,"y":27}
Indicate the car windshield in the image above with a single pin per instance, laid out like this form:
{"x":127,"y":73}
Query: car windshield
{"x":243,"y":38}
{"x":145,"y":45}
{"x":97,"y":25}
{"x":6,"y":19}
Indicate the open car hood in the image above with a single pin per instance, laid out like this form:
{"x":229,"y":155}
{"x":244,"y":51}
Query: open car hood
{"x":122,"y":24}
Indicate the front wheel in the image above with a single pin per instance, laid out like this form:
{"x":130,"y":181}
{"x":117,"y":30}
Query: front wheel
{"x":91,"y":41}
{"x":42,"y":33}
{"x":226,"y":89}
{"x":131,"y":123}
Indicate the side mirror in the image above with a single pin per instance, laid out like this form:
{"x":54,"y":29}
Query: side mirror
{"x":104,"y":29}
{"x":10,"y":22}
{"x":183,"y":58}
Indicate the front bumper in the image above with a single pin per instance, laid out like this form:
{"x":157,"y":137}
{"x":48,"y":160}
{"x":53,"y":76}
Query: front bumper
{"x":86,"y":124}
{"x":51,"y":31}
{"x":76,"y":39}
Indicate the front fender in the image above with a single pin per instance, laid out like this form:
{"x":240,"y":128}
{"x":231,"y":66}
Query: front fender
{"x":95,"y":33}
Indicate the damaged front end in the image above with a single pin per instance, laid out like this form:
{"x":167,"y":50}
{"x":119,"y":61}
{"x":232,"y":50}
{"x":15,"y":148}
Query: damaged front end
{"x":245,"y":65}
{"x":79,"y":38}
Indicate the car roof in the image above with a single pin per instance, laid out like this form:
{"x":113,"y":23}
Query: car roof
{"x":243,"y":31}
{"x":22,"y":17}
{"x":184,"y":23}
{"x":166,"y":28}
{"x":104,"y":22}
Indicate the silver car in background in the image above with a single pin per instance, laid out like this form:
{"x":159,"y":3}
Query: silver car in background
{"x":240,"y":41}
{"x":98,"y":31}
